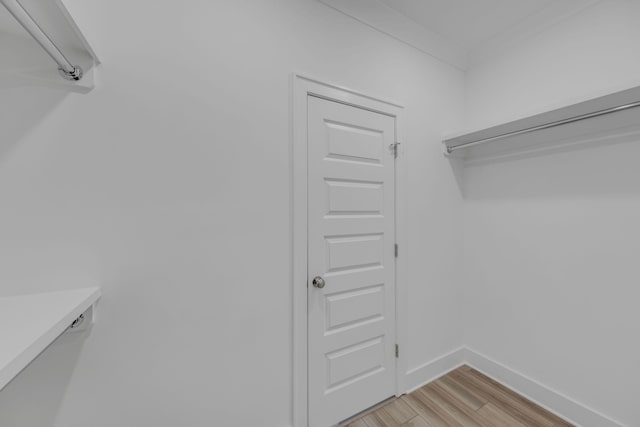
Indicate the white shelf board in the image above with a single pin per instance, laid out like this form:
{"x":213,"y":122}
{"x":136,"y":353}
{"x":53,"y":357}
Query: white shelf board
{"x":25,"y":63}
{"x":30,"y":323}
{"x":598,"y":127}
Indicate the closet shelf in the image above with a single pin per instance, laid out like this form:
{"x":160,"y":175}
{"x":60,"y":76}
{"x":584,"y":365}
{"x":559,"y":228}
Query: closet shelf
{"x":597,"y":117}
{"x":30,"y":323}
{"x":26,"y":62}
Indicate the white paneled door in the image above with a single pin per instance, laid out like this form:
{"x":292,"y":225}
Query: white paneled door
{"x":351,"y":265}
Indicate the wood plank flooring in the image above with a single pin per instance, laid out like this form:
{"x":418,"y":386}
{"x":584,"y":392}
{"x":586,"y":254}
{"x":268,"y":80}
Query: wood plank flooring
{"x":462,"y":398}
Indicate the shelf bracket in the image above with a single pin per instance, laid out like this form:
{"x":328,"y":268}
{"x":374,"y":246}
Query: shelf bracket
{"x":78,"y":322}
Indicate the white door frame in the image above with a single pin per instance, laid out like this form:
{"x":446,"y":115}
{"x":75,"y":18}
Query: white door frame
{"x":302,"y":87}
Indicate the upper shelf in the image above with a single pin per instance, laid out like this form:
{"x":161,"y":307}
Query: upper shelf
{"x":30,"y":323}
{"x":26,"y":63}
{"x":595,"y":117}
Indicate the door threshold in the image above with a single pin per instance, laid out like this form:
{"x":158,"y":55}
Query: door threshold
{"x":367,"y":411}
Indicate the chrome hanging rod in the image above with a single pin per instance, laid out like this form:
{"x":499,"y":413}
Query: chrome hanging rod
{"x":66,"y":68}
{"x":545,"y":126}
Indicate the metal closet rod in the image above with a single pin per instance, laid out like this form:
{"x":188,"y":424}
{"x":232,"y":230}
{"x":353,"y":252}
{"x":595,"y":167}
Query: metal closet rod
{"x":545,"y":126}
{"x":66,"y":68}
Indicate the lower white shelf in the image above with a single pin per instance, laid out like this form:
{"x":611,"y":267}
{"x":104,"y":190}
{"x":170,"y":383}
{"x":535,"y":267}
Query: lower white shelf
{"x":30,"y":323}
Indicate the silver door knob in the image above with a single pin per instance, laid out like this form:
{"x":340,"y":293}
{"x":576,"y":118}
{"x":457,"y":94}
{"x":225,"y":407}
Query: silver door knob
{"x":318,"y":282}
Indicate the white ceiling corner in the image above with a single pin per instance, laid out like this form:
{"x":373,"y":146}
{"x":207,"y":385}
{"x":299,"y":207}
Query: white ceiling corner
{"x":460,"y":32}
{"x":468,"y":23}
{"x":395,"y":24}
{"x":518,"y":32}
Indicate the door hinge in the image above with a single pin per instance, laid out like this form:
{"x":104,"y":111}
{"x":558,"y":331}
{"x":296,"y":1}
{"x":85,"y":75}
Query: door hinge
{"x":394,"y":149}
{"x":395,"y":250}
{"x":397,"y":351}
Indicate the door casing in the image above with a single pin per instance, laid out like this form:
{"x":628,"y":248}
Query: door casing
{"x":301,"y":88}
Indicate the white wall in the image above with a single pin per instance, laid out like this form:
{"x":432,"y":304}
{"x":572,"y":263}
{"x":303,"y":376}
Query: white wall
{"x":169,"y":186}
{"x":588,"y":55}
{"x":552,"y":241}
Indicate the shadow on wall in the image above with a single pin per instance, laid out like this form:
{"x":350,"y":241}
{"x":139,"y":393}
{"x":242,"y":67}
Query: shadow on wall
{"x":23,"y":103}
{"x":602,"y":168}
{"x":457,"y":167}
{"x":21,"y":110}
{"x":34,"y":397}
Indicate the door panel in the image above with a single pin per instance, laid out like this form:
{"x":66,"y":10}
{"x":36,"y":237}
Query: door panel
{"x":354,"y":198}
{"x":351,"y":246}
{"x":346,"y":309}
{"x":351,"y":252}
{"x":351,"y":143}
{"x":350,"y":364}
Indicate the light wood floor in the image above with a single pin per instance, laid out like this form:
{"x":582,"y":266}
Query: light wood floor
{"x":462,"y":398}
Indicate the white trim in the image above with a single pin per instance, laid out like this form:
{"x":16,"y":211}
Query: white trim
{"x":431,"y":371}
{"x":394,"y":24}
{"x":402,"y":261}
{"x":555,"y":402}
{"x":302,"y":87}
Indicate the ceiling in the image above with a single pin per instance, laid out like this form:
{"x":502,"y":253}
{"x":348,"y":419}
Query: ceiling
{"x":471,"y":23}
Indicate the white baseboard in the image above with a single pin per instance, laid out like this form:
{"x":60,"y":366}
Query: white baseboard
{"x":555,"y":402}
{"x":542,"y":395}
{"x":425,"y":373}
